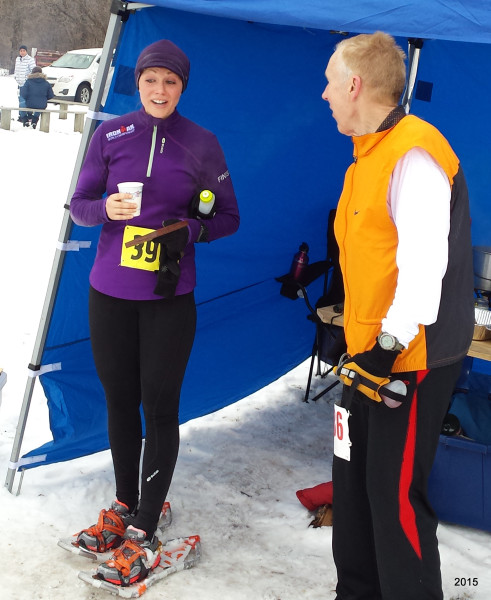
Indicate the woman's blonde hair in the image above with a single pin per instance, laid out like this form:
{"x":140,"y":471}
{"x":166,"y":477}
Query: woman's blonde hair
{"x":379,"y":61}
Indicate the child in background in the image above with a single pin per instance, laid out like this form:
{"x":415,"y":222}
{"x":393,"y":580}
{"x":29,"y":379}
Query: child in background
{"x":36,"y":91}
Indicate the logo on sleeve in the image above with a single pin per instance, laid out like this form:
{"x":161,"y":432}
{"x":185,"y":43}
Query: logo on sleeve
{"x":223,"y":176}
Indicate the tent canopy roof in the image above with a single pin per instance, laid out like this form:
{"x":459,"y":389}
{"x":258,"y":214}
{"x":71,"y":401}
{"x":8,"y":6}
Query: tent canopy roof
{"x":459,"y":20}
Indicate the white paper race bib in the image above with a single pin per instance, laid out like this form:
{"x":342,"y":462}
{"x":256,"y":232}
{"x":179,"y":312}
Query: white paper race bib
{"x":342,"y":443}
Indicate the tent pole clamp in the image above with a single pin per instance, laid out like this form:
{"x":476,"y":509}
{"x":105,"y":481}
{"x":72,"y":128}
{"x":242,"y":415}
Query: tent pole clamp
{"x":120,"y":8}
{"x":124,"y":9}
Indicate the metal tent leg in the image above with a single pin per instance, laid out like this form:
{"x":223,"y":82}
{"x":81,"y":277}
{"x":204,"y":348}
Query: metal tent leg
{"x":415,"y":46}
{"x":119,"y":14}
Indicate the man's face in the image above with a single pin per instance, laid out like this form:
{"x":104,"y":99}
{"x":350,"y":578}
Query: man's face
{"x":337,"y":93}
{"x":22,"y":52}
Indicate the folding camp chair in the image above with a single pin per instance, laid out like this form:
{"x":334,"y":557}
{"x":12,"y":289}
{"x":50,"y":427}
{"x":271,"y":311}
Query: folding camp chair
{"x":329,"y":342}
{"x":329,"y":346}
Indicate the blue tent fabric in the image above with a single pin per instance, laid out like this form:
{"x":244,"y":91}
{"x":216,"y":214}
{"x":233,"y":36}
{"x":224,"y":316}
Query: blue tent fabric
{"x":257,"y":75}
{"x":468,"y":20}
{"x":455,"y":70}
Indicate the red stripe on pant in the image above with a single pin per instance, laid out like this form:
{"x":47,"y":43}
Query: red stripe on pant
{"x":407,"y":515}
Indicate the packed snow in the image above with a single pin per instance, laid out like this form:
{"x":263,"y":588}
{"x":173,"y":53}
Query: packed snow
{"x":238,"y":469}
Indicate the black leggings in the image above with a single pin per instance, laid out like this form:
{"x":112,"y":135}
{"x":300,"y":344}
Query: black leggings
{"x":141,"y":349}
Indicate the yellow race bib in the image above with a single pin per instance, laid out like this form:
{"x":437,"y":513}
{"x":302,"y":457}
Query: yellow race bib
{"x":144,"y":256}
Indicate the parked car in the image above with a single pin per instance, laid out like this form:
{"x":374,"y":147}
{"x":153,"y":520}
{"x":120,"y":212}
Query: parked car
{"x":72,"y":75}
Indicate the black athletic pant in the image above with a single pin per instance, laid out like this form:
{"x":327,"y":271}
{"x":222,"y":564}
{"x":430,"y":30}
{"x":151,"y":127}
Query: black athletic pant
{"x":141,"y":349}
{"x":384,"y":529}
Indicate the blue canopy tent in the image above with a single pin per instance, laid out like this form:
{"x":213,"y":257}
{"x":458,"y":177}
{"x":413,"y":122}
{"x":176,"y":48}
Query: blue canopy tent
{"x":257,"y":74}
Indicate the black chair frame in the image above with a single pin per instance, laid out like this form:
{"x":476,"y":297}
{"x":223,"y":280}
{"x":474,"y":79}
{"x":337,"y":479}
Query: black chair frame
{"x":329,"y":343}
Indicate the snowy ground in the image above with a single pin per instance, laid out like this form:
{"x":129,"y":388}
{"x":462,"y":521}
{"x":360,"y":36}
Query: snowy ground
{"x":238,"y":469}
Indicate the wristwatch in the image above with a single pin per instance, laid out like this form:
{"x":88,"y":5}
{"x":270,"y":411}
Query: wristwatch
{"x":387,"y":341}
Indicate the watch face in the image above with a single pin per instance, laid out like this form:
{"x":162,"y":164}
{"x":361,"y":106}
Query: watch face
{"x":387,"y":341}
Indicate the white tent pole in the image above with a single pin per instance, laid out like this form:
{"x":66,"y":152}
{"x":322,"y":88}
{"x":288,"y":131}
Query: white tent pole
{"x":415,"y":46}
{"x":119,"y":14}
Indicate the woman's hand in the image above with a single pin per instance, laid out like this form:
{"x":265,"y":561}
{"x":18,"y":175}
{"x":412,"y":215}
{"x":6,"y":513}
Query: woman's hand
{"x":119,"y":210}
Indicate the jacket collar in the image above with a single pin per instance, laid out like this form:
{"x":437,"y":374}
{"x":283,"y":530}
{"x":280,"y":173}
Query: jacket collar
{"x":392,"y":118}
{"x":363,"y":144}
{"x":163,"y":124}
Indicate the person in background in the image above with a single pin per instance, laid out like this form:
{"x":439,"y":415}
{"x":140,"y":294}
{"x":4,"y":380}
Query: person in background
{"x":142,"y":315}
{"x":24,"y":64}
{"x":36,"y":91}
{"x":403,"y":229}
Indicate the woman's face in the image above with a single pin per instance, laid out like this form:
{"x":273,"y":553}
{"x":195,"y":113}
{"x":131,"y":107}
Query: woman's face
{"x":160,"y":90}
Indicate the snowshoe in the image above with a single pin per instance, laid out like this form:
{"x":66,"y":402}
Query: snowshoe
{"x":72,"y":543}
{"x":175,"y":555}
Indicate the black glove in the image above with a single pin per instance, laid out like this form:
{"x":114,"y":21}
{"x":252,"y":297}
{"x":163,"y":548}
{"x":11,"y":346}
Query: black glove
{"x":175,"y":241}
{"x":171,"y":248}
{"x":194,"y":209}
{"x":367,"y":372}
{"x":377,"y":361}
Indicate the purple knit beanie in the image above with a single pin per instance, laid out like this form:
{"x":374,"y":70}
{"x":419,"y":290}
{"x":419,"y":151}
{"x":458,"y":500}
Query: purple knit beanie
{"x":164,"y":54}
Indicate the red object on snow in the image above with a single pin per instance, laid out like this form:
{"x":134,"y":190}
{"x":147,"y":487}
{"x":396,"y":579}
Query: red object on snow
{"x":316,"y":496}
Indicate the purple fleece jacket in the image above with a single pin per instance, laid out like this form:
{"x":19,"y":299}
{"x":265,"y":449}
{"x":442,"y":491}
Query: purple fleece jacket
{"x":174,"y":158}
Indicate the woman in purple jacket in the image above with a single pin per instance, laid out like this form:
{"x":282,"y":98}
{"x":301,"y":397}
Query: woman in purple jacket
{"x":141,"y":305}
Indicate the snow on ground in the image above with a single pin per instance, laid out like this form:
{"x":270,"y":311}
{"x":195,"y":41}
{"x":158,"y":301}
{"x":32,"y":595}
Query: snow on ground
{"x":238,"y":468}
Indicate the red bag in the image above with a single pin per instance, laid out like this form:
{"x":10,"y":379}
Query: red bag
{"x":316,"y":496}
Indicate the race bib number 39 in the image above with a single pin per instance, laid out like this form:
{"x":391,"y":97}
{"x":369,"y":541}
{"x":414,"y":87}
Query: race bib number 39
{"x":143,"y":256}
{"x":342,"y":443}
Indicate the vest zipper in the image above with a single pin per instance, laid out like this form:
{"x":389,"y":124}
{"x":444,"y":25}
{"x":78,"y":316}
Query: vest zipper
{"x":347,"y":300}
{"x":152,"y":151}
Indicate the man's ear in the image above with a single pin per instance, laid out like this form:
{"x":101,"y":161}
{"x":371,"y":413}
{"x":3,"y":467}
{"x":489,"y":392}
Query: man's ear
{"x":355,"y":86}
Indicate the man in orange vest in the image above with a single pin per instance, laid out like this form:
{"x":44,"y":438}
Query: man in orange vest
{"x":403,"y":229}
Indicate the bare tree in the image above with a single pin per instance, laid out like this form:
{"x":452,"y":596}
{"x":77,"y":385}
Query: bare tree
{"x":57,"y":25}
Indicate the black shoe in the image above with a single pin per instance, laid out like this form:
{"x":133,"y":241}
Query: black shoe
{"x":26,"y":123}
{"x":34,"y":125}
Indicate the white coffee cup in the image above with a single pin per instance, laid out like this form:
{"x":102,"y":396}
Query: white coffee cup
{"x":135,"y":189}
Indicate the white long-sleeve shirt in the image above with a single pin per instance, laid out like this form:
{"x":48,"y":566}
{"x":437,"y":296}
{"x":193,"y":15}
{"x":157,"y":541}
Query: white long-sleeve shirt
{"x":418,"y":202}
